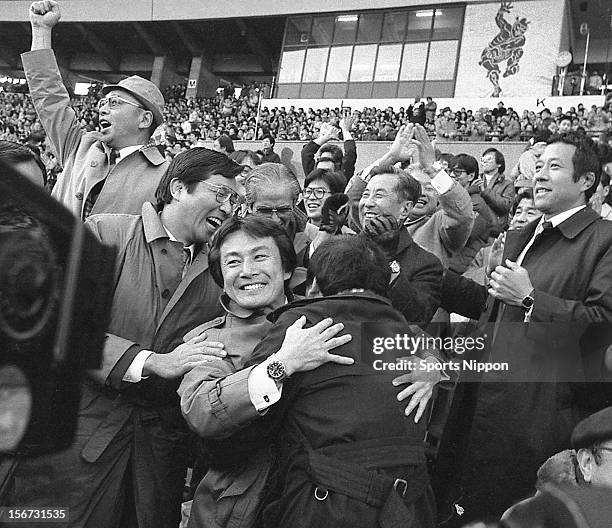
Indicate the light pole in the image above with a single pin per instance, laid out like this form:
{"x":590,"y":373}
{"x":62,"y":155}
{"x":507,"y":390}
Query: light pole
{"x":585,"y":30}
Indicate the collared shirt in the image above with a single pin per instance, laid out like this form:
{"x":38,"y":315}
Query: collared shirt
{"x":126,"y":151}
{"x":555,"y":221}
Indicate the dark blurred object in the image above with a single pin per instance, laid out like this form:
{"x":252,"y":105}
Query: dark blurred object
{"x":563,"y":507}
{"x":55,"y":280}
{"x":384,"y":231}
{"x":334,"y":213}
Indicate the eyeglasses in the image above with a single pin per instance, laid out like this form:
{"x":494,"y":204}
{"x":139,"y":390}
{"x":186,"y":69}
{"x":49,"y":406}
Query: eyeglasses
{"x":114,"y":101}
{"x":317,"y":192}
{"x":268,"y":212}
{"x":224,"y":194}
{"x":458,"y":172}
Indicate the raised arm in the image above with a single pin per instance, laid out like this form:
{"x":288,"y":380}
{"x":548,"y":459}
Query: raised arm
{"x":48,"y":92}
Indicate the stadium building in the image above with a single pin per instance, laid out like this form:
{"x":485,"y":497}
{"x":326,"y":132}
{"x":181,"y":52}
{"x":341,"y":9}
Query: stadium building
{"x":327,"y":50}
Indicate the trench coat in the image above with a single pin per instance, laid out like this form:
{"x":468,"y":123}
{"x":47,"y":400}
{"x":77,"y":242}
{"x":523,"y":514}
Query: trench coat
{"x":85,"y":159}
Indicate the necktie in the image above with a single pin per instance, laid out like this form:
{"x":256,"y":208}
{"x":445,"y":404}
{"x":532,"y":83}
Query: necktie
{"x":546,"y":229}
{"x":187,"y":255}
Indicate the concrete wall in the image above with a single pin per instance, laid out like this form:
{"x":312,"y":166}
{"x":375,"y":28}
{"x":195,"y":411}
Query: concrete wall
{"x":369,"y":151}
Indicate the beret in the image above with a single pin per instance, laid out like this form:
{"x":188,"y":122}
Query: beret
{"x":593,"y":429}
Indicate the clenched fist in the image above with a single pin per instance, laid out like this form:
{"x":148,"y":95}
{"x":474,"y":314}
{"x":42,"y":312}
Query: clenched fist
{"x":44,"y":14}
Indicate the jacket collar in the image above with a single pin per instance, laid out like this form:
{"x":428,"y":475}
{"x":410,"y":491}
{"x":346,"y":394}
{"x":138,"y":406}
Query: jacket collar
{"x":149,"y":151}
{"x":405,"y":240}
{"x":578,"y":222}
{"x":570,"y":229}
{"x":273,"y":316}
{"x":152,"y":224}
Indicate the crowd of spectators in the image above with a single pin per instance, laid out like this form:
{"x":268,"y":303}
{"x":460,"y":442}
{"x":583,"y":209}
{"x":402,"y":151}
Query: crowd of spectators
{"x":235,"y":112}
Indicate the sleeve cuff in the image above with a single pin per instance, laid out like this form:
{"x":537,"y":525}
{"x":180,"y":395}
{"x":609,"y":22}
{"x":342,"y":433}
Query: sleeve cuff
{"x":134,"y":372}
{"x":263,"y":391}
{"x":442,"y":182}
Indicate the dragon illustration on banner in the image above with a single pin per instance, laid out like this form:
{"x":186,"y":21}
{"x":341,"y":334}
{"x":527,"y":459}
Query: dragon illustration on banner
{"x":506,"y":46}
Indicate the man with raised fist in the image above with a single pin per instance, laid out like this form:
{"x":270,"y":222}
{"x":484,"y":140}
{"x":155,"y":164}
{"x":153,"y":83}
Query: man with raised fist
{"x":115,"y":169}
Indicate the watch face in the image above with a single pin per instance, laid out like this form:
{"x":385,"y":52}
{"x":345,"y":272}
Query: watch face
{"x":276,"y":370}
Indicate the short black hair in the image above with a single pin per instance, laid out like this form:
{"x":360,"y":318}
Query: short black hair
{"x":335,"y":180}
{"x":12,"y":153}
{"x":240,"y":155}
{"x":465,"y":162}
{"x":192,"y":166}
{"x":605,"y":157}
{"x":336,"y":154}
{"x":407,"y":188}
{"x":345,"y":262}
{"x":255,"y":227}
{"x":269,"y":137}
{"x":226,"y":142}
{"x":585,"y":158}
{"x":499,"y":158}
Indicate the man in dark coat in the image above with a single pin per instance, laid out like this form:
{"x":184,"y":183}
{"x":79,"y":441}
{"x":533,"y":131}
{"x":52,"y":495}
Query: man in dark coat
{"x":555,"y":286}
{"x":349,"y":456}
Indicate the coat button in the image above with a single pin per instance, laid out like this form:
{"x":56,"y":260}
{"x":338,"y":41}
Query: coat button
{"x":79,"y":196}
{"x":94,"y":163}
{"x":164,"y":251}
{"x":166,"y":293}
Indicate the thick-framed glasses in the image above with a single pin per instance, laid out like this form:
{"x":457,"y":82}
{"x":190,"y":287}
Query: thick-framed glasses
{"x":317,"y":192}
{"x":224,"y":194}
{"x":114,"y":101}
{"x":268,"y":212}
{"x":459,"y":172}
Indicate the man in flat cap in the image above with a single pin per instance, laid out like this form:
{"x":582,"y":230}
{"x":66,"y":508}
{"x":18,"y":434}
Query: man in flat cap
{"x":592,"y":440}
{"x":114,"y":170}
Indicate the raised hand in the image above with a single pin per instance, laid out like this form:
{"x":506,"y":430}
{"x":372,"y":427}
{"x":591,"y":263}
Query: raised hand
{"x":328,"y":132}
{"x":306,"y":349}
{"x":346,"y":123}
{"x":420,"y":390}
{"x":427,"y":154}
{"x":45,"y":14}
{"x":402,"y":148}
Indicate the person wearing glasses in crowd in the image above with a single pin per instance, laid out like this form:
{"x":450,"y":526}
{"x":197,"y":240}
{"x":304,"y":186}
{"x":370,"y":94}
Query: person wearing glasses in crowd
{"x":128,"y":463}
{"x":319,"y":185}
{"x":115,"y":169}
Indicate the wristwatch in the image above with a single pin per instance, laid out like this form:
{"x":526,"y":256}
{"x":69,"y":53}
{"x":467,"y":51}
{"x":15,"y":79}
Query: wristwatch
{"x":276,"y":370}
{"x":527,"y":302}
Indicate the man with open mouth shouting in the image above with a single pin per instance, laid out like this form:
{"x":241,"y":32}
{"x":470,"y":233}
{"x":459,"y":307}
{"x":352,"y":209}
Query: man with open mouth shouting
{"x":128,"y":463}
{"x":115,"y":169}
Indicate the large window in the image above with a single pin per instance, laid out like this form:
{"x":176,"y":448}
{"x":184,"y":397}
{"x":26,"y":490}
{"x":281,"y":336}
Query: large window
{"x":384,"y":53}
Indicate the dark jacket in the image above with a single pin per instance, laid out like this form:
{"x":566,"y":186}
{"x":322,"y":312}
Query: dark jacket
{"x":348,"y":160}
{"x":340,"y":415}
{"x":485,"y":224}
{"x":517,"y":426}
{"x":499,"y":196}
{"x":417,"y":291}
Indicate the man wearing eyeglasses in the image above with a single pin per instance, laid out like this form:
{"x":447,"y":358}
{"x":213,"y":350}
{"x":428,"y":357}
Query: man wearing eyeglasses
{"x":115,"y":169}
{"x":128,"y":463}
